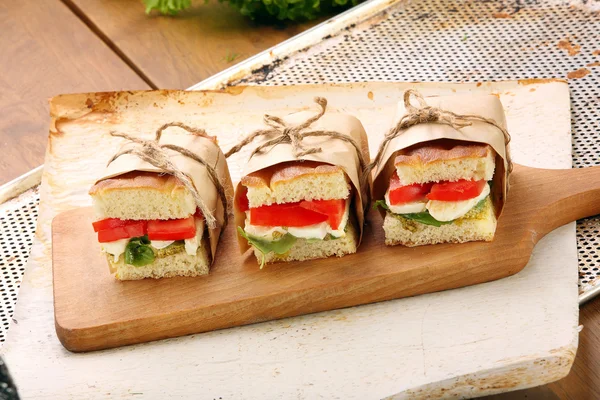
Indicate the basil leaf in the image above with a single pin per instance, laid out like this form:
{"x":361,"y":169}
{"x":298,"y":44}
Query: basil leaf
{"x":327,"y":237}
{"x":380,"y":203}
{"x":280,"y":246}
{"x":426,"y":218}
{"x":138,"y":252}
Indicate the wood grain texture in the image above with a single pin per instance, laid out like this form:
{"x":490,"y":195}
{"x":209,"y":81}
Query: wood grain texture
{"x":178,"y":52}
{"x":46,"y":50}
{"x":88,"y":302}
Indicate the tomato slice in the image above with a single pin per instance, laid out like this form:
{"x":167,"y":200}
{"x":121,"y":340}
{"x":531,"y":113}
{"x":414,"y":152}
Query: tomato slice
{"x":172,"y":229}
{"x":456,"y":191}
{"x":110,"y":223}
{"x":242,"y":200}
{"x":134,"y":229}
{"x":288,"y":214}
{"x":400,"y":194}
{"x":334,"y":209}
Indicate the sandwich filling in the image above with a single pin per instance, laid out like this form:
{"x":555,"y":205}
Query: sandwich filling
{"x":142,"y":241}
{"x":275,"y":227}
{"x":435,"y":203}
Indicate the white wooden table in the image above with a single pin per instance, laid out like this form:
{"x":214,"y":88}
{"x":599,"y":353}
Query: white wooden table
{"x":517,"y":332}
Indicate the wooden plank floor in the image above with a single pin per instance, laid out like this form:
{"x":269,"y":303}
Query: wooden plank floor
{"x":46,"y":50}
{"x":51,"y":47}
{"x":176,"y":53}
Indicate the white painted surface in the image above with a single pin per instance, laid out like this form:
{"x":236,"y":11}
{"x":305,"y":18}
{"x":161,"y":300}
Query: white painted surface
{"x":459,"y":340}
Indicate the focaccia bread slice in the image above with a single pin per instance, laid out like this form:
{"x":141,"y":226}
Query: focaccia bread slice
{"x":445,"y":161}
{"x":166,"y":265}
{"x":296,"y":181}
{"x":310,"y":249}
{"x":478,"y":224}
{"x":142,"y":196}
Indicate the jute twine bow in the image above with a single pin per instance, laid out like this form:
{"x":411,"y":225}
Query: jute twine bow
{"x":293,"y":135}
{"x":425,"y":113}
{"x":155,"y":154}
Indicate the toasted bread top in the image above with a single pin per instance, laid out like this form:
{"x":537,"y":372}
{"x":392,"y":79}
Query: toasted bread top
{"x":138,"y":180}
{"x":287,"y":172}
{"x":441,"y":151}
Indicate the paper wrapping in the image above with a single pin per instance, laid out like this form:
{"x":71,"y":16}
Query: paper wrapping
{"x":334,"y":152}
{"x":488,"y":106}
{"x":203,"y":146}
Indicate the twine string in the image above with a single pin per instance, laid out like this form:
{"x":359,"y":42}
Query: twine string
{"x":294,"y":135}
{"x":156,"y":155}
{"x":423,"y":114}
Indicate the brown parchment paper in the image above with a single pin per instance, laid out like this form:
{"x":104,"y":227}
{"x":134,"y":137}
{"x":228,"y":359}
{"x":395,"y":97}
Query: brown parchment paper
{"x":334,"y":152}
{"x":206,"y":148}
{"x":488,"y":106}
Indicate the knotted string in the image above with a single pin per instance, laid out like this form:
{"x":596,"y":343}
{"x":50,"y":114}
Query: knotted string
{"x":155,"y":154}
{"x":424,"y":114}
{"x":294,"y":135}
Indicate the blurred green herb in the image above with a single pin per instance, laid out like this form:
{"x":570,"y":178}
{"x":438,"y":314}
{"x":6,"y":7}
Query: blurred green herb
{"x":465,"y":37}
{"x":170,"y":7}
{"x":266,"y":10}
{"x":231,"y":56}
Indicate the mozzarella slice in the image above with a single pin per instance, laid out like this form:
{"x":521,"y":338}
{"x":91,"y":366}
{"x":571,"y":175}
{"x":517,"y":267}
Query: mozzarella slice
{"x":316,"y":231}
{"x":115,"y":248}
{"x":192,"y":244}
{"x":406,"y":208}
{"x":451,"y":210}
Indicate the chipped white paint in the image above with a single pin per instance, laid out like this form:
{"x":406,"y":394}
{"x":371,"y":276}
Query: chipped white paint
{"x":517,"y":332}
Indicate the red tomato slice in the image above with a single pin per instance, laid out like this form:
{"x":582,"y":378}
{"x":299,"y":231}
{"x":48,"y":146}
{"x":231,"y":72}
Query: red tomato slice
{"x":110,"y":223}
{"x":456,"y":191}
{"x":199,"y":214}
{"x":135,"y":229}
{"x":400,"y":194}
{"x":334,"y":209}
{"x":242,"y":200}
{"x":172,"y":229}
{"x":288,"y":214}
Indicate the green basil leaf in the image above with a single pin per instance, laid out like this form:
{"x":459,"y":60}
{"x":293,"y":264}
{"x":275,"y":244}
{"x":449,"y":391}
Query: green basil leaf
{"x":138,"y":252}
{"x":426,"y":218}
{"x":329,"y":236}
{"x":380,"y":203}
{"x":280,"y":246}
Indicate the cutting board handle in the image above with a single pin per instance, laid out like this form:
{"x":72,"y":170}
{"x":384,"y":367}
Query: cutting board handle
{"x":562,"y":195}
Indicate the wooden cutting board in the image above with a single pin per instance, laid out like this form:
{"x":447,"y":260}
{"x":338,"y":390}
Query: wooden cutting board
{"x":95,"y":311}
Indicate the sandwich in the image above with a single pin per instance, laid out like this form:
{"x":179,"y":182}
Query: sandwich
{"x":305,"y":198}
{"x":149,"y":223}
{"x":440,"y":193}
{"x":299,"y":210}
{"x":149,"y":227}
{"x":442,"y":171}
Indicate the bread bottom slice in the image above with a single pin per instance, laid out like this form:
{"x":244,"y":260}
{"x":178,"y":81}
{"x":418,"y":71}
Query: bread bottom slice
{"x":178,"y":264}
{"x":407,"y":232}
{"x":310,"y":249}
